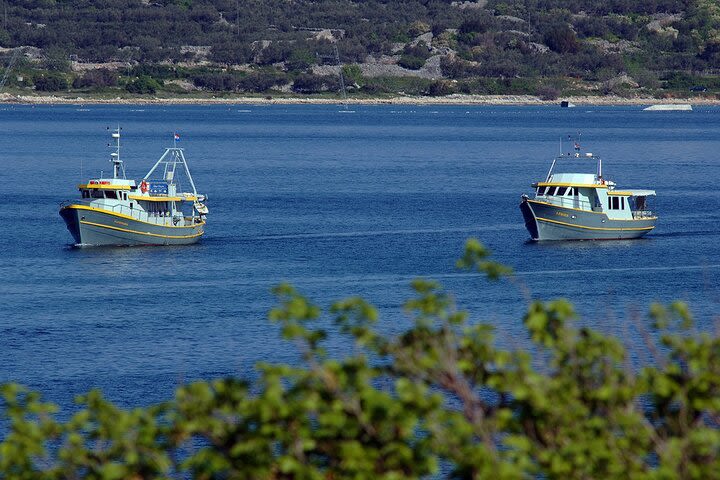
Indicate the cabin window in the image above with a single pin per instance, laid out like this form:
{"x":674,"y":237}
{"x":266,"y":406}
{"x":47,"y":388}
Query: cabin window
{"x":561,"y":191}
{"x":549,"y":191}
{"x":111,"y":194}
{"x":574,"y":191}
{"x":124,"y":195}
{"x":616,"y":203}
{"x":97,"y":194}
{"x":85,"y":194}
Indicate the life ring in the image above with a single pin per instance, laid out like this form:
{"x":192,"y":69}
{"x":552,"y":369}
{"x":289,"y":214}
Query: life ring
{"x":143,"y":186}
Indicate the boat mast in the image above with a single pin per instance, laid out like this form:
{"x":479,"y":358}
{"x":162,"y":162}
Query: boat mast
{"x":170,"y":159}
{"x":552,"y":165}
{"x":118,"y":167}
{"x":547,"y":179}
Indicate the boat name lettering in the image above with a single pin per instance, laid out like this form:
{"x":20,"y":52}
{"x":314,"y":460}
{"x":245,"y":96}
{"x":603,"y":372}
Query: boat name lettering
{"x":121,"y":223}
{"x":562,"y":214}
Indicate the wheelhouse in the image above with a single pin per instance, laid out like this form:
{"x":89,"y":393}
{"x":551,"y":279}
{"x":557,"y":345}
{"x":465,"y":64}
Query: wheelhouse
{"x":591,"y":192}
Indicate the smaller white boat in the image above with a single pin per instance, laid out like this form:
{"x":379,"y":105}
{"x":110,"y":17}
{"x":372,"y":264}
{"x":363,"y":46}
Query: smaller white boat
{"x":684,"y":107}
{"x":585,"y":206}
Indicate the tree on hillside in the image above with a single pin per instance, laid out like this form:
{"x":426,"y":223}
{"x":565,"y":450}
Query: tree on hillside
{"x":561,"y":39}
{"x":50,"y":82}
{"x":101,"y":77}
{"x":143,"y":85}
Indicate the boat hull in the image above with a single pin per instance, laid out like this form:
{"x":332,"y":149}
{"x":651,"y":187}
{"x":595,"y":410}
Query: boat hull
{"x":545,"y":221}
{"x":94,"y":226}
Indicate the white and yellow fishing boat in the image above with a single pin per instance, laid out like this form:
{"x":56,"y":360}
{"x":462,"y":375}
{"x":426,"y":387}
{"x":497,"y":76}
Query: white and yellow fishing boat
{"x":585,"y":206}
{"x":155,"y":211}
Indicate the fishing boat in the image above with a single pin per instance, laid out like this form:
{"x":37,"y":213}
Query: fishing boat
{"x":154,"y":211}
{"x":585,"y":206}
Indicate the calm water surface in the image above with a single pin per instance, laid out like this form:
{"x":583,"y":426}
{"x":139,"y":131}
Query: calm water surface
{"x":338,"y":204}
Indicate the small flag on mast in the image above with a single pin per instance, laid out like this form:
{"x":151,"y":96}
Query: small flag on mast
{"x":177,"y":137}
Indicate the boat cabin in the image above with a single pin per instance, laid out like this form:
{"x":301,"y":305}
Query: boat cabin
{"x":591,"y":192}
{"x":116,"y":189}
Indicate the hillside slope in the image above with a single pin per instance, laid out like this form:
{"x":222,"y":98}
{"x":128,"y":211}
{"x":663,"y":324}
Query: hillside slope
{"x":432,"y":47}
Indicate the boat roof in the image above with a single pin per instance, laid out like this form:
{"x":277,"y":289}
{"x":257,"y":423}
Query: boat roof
{"x":109,"y":183}
{"x":633,"y":193}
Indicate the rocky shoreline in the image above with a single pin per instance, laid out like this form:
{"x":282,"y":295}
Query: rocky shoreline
{"x":455,"y":99}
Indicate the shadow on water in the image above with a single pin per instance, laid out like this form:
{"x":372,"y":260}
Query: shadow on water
{"x":699,"y":233}
{"x":352,"y":234}
{"x":622,"y":269}
{"x":122,"y":249}
{"x":586,"y":244}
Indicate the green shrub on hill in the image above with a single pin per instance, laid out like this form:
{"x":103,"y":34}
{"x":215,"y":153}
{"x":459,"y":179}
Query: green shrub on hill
{"x":311,"y":83}
{"x":143,"y":85}
{"x":100,"y":78}
{"x":261,"y":81}
{"x":352,"y":74}
{"x":50,"y":82}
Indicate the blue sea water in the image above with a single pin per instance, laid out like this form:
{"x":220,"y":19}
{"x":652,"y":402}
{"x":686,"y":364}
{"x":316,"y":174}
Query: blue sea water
{"x":338,"y":204}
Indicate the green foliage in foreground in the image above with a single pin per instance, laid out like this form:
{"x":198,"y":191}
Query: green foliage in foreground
{"x":440,"y":398}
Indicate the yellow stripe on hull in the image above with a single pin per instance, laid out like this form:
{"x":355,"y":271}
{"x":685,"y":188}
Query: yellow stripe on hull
{"x":616,"y":229}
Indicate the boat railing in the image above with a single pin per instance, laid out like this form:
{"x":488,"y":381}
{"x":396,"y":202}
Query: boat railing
{"x":157,"y":218}
{"x":639,"y":214}
{"x":139,"y":214}
{"x":569,"y":202}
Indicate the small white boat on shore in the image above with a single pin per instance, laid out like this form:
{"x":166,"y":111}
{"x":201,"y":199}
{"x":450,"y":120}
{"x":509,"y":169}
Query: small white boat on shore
{"x":683,"y":107}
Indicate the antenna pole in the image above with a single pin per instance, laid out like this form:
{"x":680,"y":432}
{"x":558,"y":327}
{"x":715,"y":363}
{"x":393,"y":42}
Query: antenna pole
{"x":118,"y":167}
